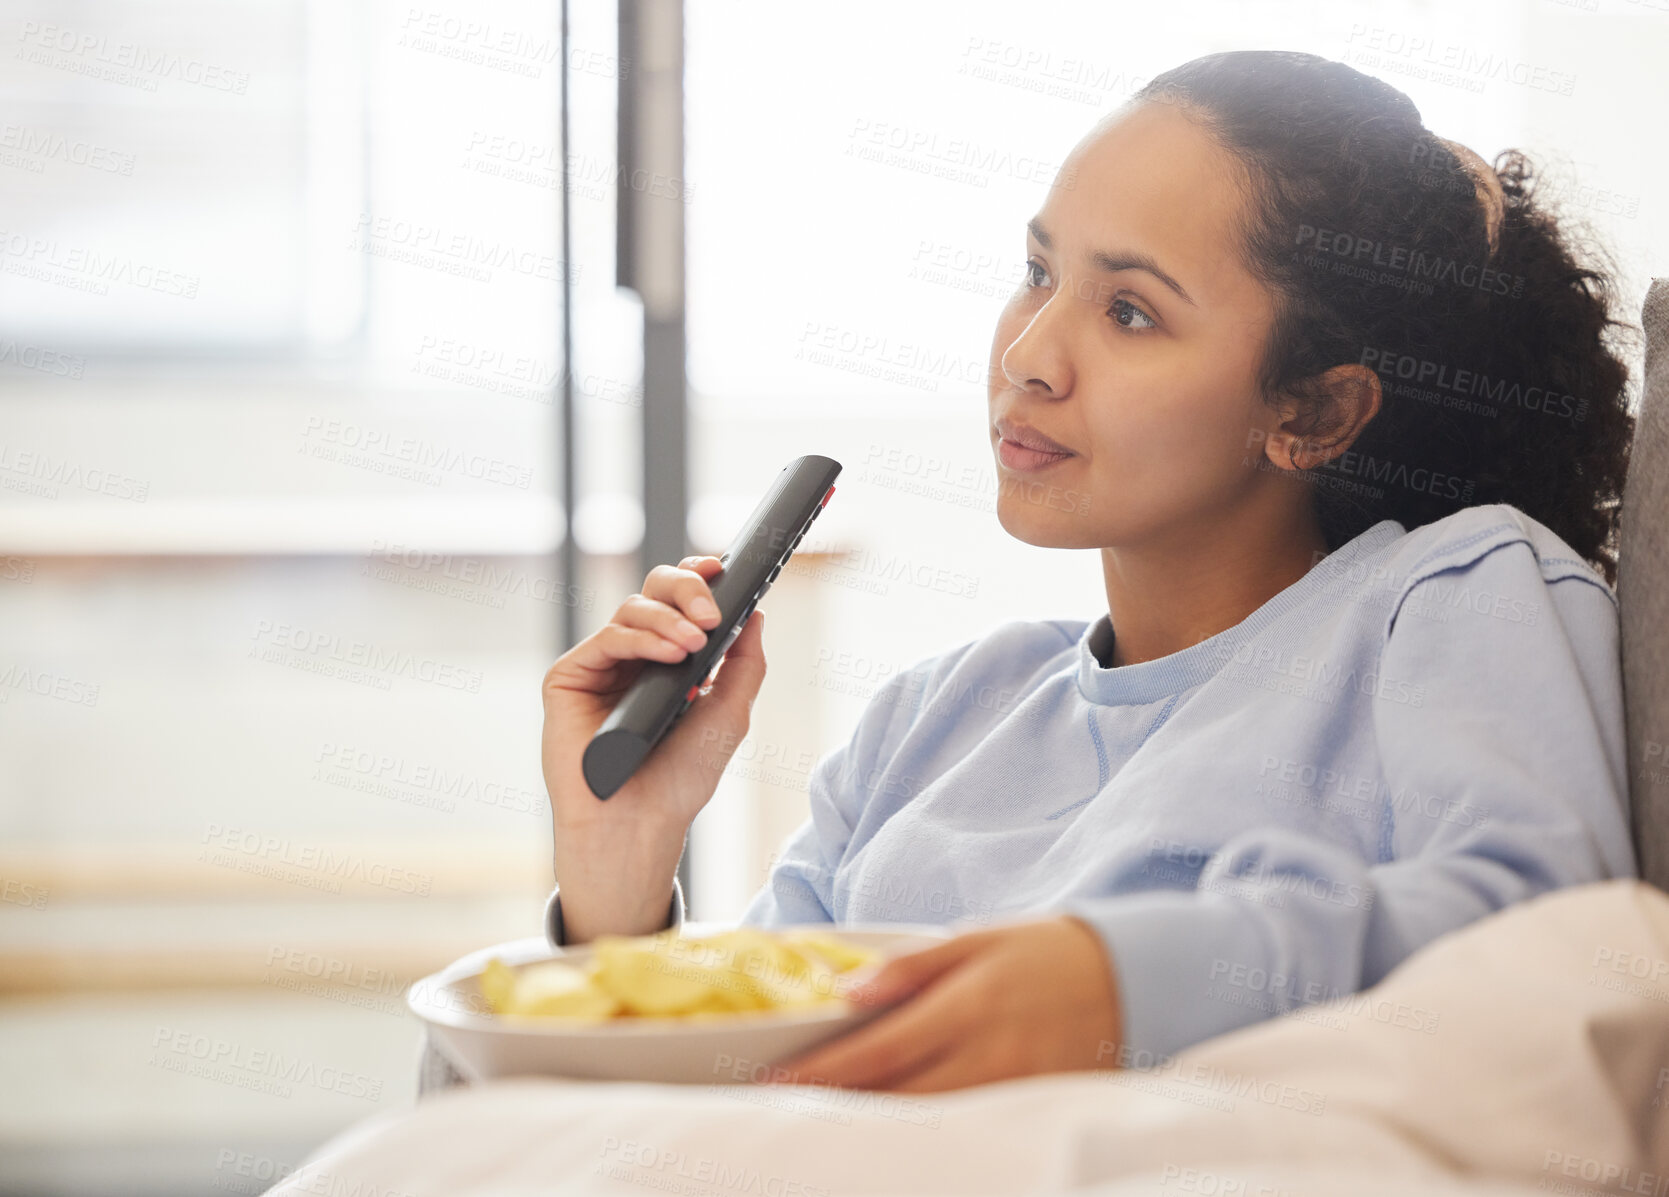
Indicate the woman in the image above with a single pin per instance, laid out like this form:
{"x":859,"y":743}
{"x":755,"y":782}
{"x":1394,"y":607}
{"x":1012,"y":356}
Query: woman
{"x":1334,"y":401}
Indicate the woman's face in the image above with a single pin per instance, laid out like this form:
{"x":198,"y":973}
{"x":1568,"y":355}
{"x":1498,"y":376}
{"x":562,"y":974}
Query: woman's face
{"x":1145,"y":372}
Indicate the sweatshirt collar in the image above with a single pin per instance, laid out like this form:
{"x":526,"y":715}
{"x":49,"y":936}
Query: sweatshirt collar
{"x":1149,"y":681}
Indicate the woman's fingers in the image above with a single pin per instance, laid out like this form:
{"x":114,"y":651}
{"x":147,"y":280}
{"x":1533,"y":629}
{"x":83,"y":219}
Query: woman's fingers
{"x":954,"y":1070}
{"x":898,"y":1042}
{"x":905,"y":974}
{"x":663,"y":623}
{"x":684,"y":586}
{"x":894,"y":1043}
{"x":593,"y":663}
{"x":641,"y":611}
{"x":1007,"y":1001}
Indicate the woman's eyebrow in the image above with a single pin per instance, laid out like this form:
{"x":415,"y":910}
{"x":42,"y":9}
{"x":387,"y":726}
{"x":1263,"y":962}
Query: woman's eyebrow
{"x":1111,"y":263}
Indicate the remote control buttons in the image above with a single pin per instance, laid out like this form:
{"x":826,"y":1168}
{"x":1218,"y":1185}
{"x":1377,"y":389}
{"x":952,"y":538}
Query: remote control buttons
{"x":736,"y":630}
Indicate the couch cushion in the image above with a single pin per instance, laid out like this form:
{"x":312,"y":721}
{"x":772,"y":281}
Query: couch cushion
{"x":1643,"y":596}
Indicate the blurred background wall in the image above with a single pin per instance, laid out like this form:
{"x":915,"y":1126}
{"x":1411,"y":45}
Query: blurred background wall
{"x":280,"y":300}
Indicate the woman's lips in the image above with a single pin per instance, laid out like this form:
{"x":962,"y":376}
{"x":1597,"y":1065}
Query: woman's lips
{"x":1018,"y":457}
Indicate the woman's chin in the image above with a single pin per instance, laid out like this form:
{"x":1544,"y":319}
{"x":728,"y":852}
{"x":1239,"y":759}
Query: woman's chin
{"x":1045,"y":528}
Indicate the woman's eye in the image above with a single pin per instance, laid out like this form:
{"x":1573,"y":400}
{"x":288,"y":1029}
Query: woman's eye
{"x":1031,"y":279}
{"x":1123,"y":311}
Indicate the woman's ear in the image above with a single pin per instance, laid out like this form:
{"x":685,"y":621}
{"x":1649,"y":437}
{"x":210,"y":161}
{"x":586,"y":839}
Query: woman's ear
{"x":1344,"y":399}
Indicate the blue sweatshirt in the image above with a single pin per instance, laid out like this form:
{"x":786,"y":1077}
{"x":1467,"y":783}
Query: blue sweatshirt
{"x":1424,"y":728}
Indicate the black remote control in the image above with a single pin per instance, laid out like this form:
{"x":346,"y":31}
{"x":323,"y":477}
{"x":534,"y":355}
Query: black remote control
{"x":664,"y":690}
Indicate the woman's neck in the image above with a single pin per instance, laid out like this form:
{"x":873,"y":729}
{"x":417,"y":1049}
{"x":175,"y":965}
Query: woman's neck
{"x":1172,"y":593}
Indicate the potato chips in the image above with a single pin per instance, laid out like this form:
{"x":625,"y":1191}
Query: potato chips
{"x":672,"y":976}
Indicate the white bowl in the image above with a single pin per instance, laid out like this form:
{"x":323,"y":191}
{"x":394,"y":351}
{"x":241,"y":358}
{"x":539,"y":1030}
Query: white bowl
{"x":716,"y":1050}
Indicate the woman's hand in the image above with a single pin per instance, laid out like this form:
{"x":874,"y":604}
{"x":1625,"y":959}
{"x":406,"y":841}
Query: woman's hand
{"x":664,"y":622}
{"x":986,"y":1005}
{"x":616,"y":859}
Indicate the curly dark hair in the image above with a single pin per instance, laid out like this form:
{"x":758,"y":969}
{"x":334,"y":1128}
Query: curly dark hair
{"x":1497,"y":381}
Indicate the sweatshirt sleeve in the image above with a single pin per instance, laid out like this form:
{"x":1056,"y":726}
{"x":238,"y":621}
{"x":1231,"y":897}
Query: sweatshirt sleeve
{"x":1515,"y":760}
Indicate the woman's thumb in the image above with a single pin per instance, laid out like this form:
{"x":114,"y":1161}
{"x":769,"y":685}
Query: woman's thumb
{"x":743,"y":670}
{"x":719,"y":719}
{"x":903,"y":975}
